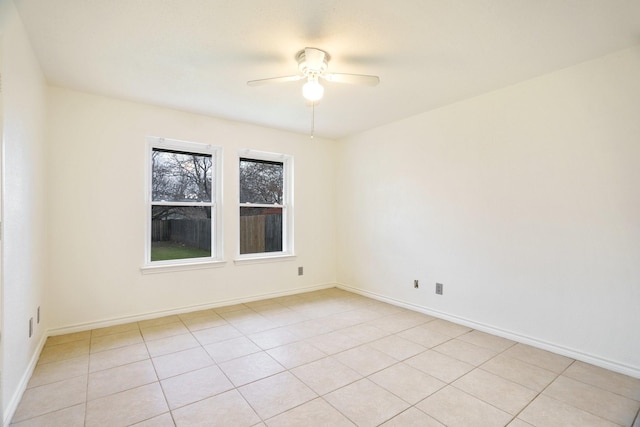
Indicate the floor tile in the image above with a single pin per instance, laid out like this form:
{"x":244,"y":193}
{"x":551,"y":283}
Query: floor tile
{"x":465,"y":351}
{"x":226,"y":409}
{"x":326,"y":375}
{"x":412,"y":417}
{"x":397,"y":347}
{"x":127,"y":407}
{"x":158,"y":321}
{"x":121,"y":339}
{"x":187,"y":388}
{"x":317,"y":412}
{"x":117,"y":357}
{"x":125,"y":377}
{"x":109,"y":376}
{"x":276,"y":394}
{"x":333,"y":342}
{"x":607,"y":380}
{"x":454,"y":408}
{"x":438,"y":365}
{"x":168,"y":345}
{"x":423,"y":336}
{"x":406,"y":382}
{"x":295,"y":354}
{"x":207,"y":321}
{"x":164,"y":331}
{"x":382,"y":308}
{"x":116,"y":329}
{"x":246,"y":369}
{"x":365,"y":403}
{"x":309,"y":328}
{"x":607,"y":405}
{"x":402,"y":321}
{"x":365,"y":360}
{"x":289,"y":317}
{"x":518,"y":423}
{"x":546,"y":411}
{"x":542,"y":358}
{"x":59,"y":352}
{"x":243,"y":315}
{"x":491,"y":342}
{"x":231,"y":349}
{"x":267,"y":307}
{"x":67,"y":338}
{"x":273,"y":338}
{"x":349,"y":318}
{"x":164,"y":420}
{"x":364,"y":333}
{"x":47,"y":373}
{"x":448,"y":328}
{"x":520,"y":372}
{"x":217,"y":334}
{"x":254,"y":324}
{"x":51,"y":397}
{"x":181,"y":362}
{"x":288,"y":300}
{"x":493,"y":389}
{"x":67,"y":417}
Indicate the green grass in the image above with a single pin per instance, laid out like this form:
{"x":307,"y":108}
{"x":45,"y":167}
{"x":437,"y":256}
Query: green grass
{"x":163,"y":251}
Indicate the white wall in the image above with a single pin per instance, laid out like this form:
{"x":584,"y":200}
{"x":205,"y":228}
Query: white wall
{"x":24,"y":234}
{"x":98,"y":214}
{"x":524,"y":203}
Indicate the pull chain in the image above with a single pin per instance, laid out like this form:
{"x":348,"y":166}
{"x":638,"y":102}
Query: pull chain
{"x":313,"y":118}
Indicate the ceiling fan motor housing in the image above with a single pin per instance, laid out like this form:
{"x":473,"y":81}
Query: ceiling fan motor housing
{"x":312,"y":61}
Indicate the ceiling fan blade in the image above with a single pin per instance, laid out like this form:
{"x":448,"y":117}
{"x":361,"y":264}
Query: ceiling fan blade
{"x":283,"y":79}
{"x":355,"y":79}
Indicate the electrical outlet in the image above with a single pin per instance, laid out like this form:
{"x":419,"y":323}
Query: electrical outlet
{"x":439,"y":288}
{"x":300,"y":271}
{"x":30,"y":327}
{"x":416,"y":284}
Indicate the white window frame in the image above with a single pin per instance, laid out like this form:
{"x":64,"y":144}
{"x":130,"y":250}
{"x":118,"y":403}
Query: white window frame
{"x":217,"y":245}
{"x":286,"y":205}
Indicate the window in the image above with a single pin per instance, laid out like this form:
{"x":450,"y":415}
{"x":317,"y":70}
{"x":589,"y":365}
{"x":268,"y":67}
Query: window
{"x":184,"y":208}
{"x":265,"y":205}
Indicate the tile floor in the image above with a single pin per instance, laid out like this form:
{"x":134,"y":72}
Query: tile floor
{"x":325,"y":358}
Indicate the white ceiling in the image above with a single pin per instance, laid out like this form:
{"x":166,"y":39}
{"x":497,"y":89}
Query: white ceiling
{"x":196,"y":55}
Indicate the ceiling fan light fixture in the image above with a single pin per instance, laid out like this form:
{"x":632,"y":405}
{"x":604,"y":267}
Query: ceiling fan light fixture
{"x":313,"y":90}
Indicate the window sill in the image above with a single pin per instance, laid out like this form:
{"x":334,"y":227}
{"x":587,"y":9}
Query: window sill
{"x":169,"y":268}
{"x":261,"y":259}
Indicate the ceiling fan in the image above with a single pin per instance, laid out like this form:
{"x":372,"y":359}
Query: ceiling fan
{"x":313,"y":64}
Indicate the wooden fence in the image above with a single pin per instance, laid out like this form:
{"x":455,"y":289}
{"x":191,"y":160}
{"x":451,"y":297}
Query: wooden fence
{"x":195,"y":233}
{"x":260,"y":233}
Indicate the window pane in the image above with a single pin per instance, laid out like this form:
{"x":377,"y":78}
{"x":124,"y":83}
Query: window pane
{"x":179,"y":232}
{"x":261,"y":181}
{"x":260,"y":230}
{"x":181,"y":177}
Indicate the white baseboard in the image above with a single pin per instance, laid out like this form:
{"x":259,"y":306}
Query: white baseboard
{"x":154,"y":314}
{"x":611,"y":365}
{"x":14,"y":401}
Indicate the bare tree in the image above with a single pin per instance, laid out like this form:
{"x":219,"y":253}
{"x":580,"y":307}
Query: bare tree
{"x":261,"y":181}
{"x":180,"y":177}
